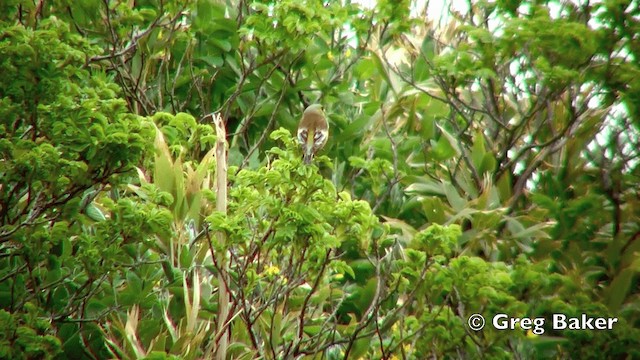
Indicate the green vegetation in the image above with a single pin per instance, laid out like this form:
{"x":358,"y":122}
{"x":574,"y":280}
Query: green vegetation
{"x":487,"y":165}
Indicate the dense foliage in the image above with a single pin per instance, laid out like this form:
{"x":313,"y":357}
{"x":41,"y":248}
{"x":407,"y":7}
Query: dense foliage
{"x":487,"y":163}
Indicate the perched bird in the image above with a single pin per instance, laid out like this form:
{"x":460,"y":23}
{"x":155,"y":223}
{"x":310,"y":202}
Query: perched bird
{"x":313,"y":131}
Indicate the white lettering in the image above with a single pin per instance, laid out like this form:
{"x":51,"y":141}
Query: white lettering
{"x":584,"y":322}
{"x":559,"y":321}
{"x":504,"y":322}
{"x":498,"y":324}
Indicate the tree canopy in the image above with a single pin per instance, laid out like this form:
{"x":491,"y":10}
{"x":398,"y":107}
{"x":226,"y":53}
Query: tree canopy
{"x":486,"y":161}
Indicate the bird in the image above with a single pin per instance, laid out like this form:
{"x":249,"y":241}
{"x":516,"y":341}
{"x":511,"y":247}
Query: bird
{"x":313,"y":131}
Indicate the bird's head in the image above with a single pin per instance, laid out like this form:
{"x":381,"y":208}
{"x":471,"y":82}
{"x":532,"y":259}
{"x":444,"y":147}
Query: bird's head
{"x":313,"y":131}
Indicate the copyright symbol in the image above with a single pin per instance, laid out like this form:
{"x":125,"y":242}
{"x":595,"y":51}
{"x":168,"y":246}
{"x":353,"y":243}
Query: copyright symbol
{"x":476,"y":322}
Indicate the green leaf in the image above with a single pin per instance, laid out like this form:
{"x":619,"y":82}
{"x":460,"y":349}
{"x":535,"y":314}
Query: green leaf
{"x":489,"y":163}
{"x":477,"y":150}
{"x":355,"y":128}
{"x":94,"y":213}
{"x":365,"y":68}
{"x":443,"y":150}
{"x":619,"y":288}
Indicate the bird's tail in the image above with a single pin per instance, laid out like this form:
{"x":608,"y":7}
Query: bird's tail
{"x":307,"y":157}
